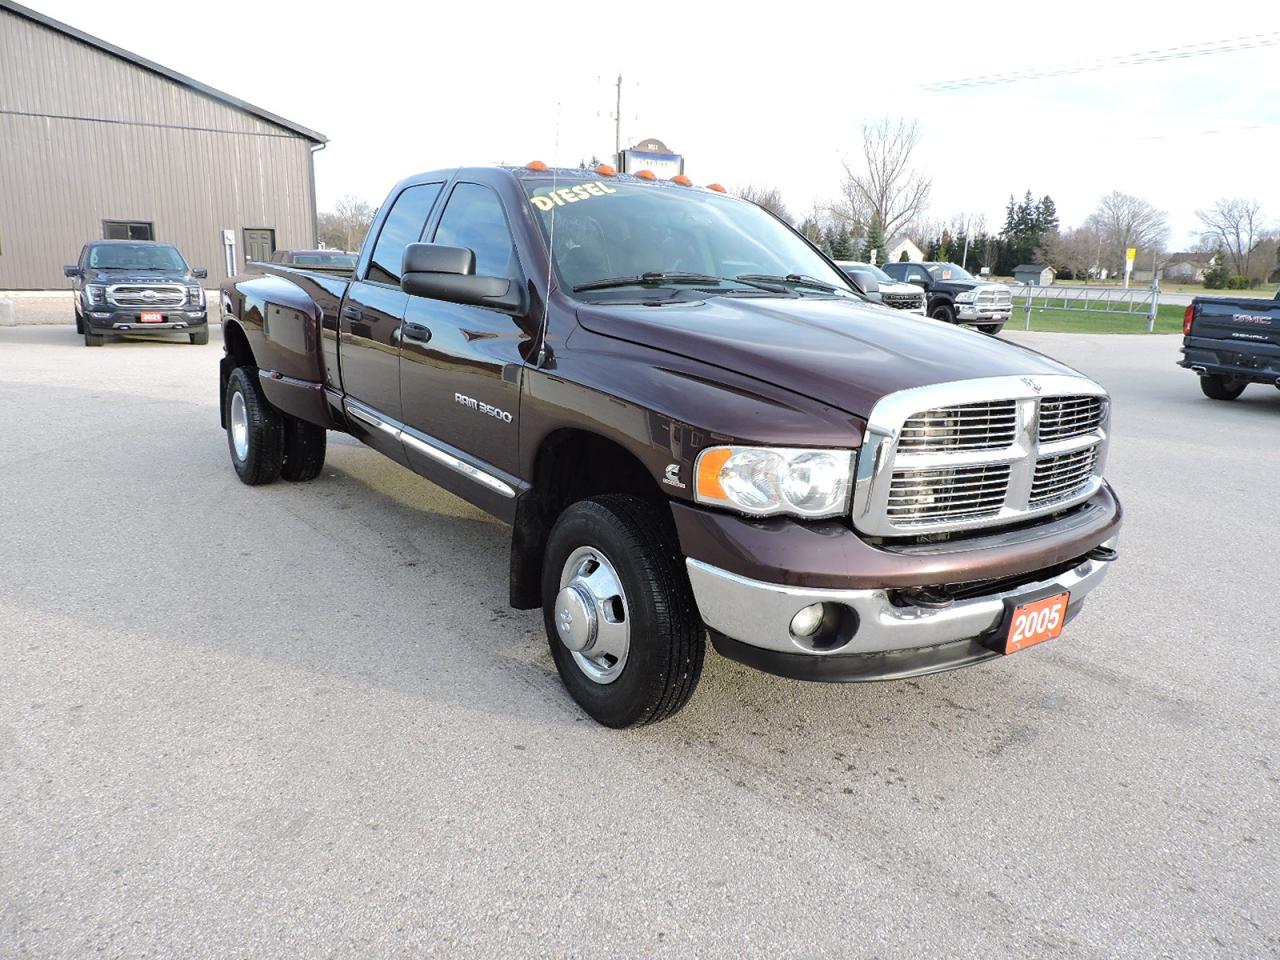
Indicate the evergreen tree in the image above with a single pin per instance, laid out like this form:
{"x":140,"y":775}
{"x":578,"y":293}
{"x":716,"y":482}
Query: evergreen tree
{"x":1217,"y":276}
{"x":904,"y":257}
{"x":873,"y":244}
{"x":1046,"y":216}
{"x":842,"y":246}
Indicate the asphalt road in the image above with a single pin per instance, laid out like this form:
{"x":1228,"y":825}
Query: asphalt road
{"x":299,"y":721}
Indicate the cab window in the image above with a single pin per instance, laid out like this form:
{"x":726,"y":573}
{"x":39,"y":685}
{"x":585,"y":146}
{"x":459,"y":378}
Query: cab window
{"x":473,"y":218}
{"x":403,"y":226}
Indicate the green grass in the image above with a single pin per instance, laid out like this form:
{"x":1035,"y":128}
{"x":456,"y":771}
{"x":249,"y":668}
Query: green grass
{"x":1168,"y":320}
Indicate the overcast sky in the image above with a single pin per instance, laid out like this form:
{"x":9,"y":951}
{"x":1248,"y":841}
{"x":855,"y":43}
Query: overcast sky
{"x":768,"y":94}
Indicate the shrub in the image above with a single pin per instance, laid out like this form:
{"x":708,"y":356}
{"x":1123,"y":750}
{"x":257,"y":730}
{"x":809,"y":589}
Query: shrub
{"x":1237,"y":282}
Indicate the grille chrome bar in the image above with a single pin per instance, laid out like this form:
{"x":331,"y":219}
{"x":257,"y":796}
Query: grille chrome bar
{"x":979,"y":453}
{"x":146,"y":295}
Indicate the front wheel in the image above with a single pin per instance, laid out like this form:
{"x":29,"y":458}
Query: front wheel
{"x":93,"y":339}
{"x":1217,"y":387}
{"x":255,"y":430}
{"x":991,"y":329}
{"x":943,"y":312}
{"x":619,"y":612}
{"x":200,"y":337}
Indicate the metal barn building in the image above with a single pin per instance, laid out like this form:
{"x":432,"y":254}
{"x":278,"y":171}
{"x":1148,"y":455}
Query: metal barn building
{"x":98,"y":143}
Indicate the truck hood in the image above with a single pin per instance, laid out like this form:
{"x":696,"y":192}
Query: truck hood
{"x":838,"y":352}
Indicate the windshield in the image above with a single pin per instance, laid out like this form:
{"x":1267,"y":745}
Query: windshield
{"x":136,"y":256}
{"x":949,"y":271}
{"x":617,"y":230}
{"x":325,"y":260}
{"x":879,"y":275}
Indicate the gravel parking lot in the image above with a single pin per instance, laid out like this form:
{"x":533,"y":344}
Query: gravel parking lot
{"x":300,"y":721}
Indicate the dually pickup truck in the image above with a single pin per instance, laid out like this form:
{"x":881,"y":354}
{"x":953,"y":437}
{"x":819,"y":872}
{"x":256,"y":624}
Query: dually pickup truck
{"x":1232,"y":342}
{"x":694,"y":426}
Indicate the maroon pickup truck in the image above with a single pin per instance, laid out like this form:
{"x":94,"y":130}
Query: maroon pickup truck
{"x":695,"y":427}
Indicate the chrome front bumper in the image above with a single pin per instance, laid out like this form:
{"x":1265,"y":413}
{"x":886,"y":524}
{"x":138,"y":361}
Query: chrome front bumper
{"x":759,"y":614}
{"x":968,"y":313}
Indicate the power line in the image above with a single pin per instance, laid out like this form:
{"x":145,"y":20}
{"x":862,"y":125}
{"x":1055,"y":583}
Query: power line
{"x":1186,"y":52}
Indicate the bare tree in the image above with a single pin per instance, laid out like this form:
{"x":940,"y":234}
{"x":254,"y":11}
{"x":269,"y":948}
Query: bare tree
{"x":1122,"y":221}
{"x":1236,"y":224}
{"x":1073,"y":250}
{"x":885,"y":187}
{"x":765,"y":196}
{"x":347,"y":224}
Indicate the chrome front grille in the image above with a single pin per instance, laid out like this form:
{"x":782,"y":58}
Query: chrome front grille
{"x":902,"y":301}
{"x":972,"y":426}
{"x":1061,"y":476}
{"x":947,"y":493}
{"x":146,"y":295}
{"x":1064,"y":417}
{"x":979,"y":453}
{"x":996,"y":297}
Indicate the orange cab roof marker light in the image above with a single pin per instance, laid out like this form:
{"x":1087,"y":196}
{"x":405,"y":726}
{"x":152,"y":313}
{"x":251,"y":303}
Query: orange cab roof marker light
{"x":605,"y":170}
{"x":681,"y":179}
{"x":716,"y":187}
{"x":646,"y":175}
{"x":537,"y":165}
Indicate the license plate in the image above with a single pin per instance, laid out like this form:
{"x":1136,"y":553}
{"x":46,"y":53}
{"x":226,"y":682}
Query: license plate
{"x":152,"y":317}
{"x":999,"y":316}
{"x":1036,"y":621}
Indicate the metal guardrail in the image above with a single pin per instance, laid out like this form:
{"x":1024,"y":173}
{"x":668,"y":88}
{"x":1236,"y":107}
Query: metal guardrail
{"x":1100,"y":299}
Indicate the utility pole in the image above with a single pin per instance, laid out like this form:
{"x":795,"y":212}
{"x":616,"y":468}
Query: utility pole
{"x":617,"y":125}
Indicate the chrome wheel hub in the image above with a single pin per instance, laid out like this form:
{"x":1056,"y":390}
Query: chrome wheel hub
{"x":239,"y":426}
{"x":591,"y":615}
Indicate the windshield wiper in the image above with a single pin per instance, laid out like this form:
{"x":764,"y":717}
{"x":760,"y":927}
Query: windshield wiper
{"x":652,"y":278}
{"x":794,"y":279}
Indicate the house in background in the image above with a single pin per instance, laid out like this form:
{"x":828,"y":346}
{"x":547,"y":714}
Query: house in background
{"x":98,"y":143}
{"x":1034,"y":274}
{"x":1187,"y":267}
{"x":896,"y":248}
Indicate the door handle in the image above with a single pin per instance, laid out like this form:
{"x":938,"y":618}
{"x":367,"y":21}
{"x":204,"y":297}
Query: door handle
{"x":353,"y":313}
{"x":417,"y":332}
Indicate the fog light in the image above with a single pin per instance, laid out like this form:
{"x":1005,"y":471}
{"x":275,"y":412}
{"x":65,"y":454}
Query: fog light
{"x":808,"y":621}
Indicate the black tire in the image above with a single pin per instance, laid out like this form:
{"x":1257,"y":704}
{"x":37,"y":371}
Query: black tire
{"x":79,"y":323}
{"x":304,"y":449}
{"x":94,"y":339}
{"x":944,"y":312}
{"x":991,"y":329}
{"x":263,"y":454}
{"x":200,"y":337}
{"x":1217,"y":387}
{"x":667,"y":641}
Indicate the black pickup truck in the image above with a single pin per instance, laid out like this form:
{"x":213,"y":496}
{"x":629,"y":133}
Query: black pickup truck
{"x":1232,"y":342}
{"x":136,"y":287}
{"x":955,"y":295}
{"x":694,"y":427}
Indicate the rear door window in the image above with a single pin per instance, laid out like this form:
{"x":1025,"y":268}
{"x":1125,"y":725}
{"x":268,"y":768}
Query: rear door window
{"x":403,"y":226}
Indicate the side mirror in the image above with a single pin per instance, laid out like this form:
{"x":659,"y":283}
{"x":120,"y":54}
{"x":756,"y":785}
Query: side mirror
{"x":71,"y":270}
{"x":449,"y":273}
{"x":860,"y":281}
{"x":200,"y":273}
{"x":919,"y":282}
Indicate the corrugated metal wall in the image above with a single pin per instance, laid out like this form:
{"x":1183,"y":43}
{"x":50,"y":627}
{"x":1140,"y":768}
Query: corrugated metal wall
{"x":86,"y":136}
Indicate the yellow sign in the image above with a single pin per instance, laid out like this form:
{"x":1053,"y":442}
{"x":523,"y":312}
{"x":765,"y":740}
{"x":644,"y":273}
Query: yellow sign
{"x":1131,"y":254}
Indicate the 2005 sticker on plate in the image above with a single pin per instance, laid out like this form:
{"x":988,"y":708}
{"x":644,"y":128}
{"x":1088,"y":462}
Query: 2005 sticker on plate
{"x":1036,"y":622}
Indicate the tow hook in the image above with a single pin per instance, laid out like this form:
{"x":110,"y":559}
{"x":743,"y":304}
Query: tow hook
{"x":930,"y":597}
{"x":1103,"y":554}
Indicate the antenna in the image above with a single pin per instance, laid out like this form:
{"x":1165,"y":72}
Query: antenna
{"x":551,"y":247}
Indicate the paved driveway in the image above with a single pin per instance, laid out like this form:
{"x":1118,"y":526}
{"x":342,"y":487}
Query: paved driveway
{"x":299,"y":721}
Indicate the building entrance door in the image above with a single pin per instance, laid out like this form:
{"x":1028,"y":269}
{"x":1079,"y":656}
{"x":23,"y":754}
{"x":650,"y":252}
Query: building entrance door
{"x":259,"y":244}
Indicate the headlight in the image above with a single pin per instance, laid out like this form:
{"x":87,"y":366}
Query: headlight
{"x":967,"y":297}
{"x":764,"y":481}
{"x":195,"y":295}
{"x":93,"y":293}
